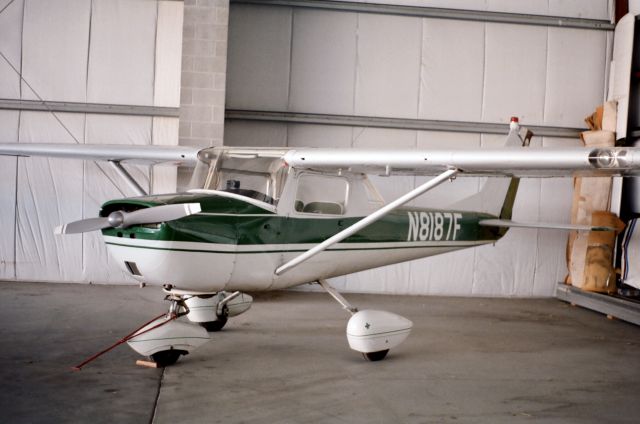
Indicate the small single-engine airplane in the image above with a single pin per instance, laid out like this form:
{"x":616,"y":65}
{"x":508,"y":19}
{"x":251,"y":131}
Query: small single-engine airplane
{"x":272,"y":218}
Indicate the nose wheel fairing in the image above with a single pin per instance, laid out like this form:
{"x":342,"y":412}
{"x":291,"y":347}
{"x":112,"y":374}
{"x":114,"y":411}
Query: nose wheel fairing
{"x":168,"y":337}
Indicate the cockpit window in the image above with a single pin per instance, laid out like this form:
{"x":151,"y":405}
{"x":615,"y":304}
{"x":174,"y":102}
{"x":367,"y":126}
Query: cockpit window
{"x":254,"y":185}
{"x":251,"y":173}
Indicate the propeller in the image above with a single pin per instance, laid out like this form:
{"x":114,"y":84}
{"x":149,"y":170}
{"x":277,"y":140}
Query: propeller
{"x":121,"y":219}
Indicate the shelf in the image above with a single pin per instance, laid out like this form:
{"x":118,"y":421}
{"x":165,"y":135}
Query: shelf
{"x":615,"y":306}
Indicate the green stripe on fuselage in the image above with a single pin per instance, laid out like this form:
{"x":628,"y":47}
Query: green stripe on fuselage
{"x":231,"y":221}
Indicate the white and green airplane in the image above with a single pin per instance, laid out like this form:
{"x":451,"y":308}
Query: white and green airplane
{"x":273,"y":218}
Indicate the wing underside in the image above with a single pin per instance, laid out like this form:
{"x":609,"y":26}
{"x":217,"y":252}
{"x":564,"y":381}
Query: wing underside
{"x":506,"y":161}
{"x":148,"y":155}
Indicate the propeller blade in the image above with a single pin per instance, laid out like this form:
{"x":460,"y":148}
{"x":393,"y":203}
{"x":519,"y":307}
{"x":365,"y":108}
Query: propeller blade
{"x":119,"y":219}
{"x":160,"y":214}
{"x":83,"y":226}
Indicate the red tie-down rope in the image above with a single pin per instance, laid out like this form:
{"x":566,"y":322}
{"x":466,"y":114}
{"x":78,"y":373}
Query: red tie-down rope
{"x":126,"y":339}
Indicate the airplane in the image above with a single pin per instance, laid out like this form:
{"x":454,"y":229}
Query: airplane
{"x":258,"y":219}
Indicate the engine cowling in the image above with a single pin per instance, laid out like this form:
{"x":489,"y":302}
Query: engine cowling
{"x":375,"y":331}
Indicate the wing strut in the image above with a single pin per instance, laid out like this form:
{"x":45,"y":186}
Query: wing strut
{"x":127,"y":177}
{"x":369,"y":219}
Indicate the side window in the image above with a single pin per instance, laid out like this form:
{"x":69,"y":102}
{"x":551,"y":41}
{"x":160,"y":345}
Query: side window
{"x":321,"y":194}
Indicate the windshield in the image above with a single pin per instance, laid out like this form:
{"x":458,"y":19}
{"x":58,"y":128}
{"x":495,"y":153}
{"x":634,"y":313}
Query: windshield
{"x":255,"y":173}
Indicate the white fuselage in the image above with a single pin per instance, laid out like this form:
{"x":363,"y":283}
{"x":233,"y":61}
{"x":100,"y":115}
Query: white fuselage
{"x":214,"y":267}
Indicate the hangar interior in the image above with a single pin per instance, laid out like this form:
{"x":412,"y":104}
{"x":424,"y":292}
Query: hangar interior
{"x":168,"y":72}
{"x":389,"y":74}
{"x":420,"y":68}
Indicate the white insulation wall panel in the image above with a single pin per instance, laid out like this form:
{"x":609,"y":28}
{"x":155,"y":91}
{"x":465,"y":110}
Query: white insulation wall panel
{"x":51,"y":40}
{"x":168,"y":54}
{"x":380,"y":60}
{"x":515,"y":72}
{"x":47,"y":196}
{"x":572,"y":88}
{"x":121,"y":55}
{"x":255,"y":134}
{"x":101,"y":183}
{"x":318,"y":135}
{"x":323,"y":76}
{"x":166,"y":90}
{"x":410,"y":67}
{"x":118,"y":52}
{"x":259,"y":54}
{"x":594,"y":9}
{"x":452,"y":67}
{"x":590,"y":9}
{"x":11,"y":47}
{"x":8,"y":171}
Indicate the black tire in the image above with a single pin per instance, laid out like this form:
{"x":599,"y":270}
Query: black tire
{"x":213,"y":326}
{"x":375,"y":356}
{"x":165,"y":358}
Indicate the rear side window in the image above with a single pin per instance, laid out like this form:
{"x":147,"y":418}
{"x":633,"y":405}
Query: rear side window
{"x":321,"y":194}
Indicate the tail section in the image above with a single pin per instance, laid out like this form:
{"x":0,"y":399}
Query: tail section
{"x":498,"y":195}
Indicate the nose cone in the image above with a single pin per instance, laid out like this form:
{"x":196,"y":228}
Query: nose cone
{"x":116,"y":219}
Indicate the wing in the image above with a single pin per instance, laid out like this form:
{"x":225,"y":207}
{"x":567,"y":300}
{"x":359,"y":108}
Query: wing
{"x":509,"y":161}
{"x":148,"y":155}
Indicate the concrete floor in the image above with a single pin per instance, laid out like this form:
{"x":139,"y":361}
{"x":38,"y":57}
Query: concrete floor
{"x":287,"y":361}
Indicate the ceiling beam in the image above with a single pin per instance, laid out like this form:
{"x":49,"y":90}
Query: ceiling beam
{"x":396,"y":123}
{"x":440,"y":13}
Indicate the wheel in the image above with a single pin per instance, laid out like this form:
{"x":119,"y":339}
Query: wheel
{"x":164,"y":358}
{"x":212,"y":326}
{"x":375,"y":356}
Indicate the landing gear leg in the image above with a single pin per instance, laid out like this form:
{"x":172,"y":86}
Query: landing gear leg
{"x":369,"y":332}
{"x":337,"y":296}
{"x":212,"y":310}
